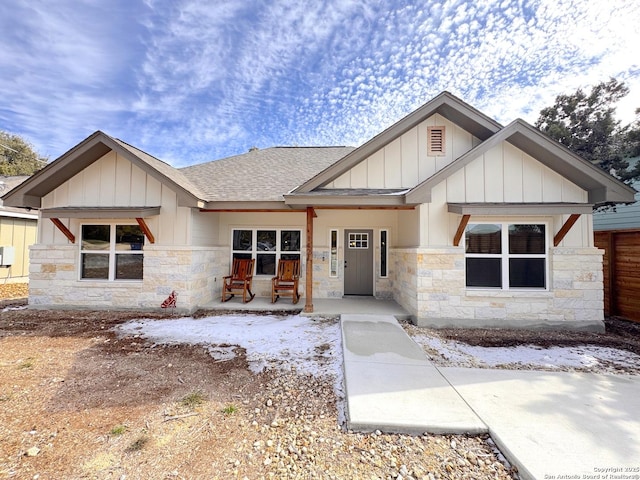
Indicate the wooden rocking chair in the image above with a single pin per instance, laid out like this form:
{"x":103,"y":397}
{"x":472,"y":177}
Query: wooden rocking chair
{"x":239,"y":280}
{"x":286,"y":283}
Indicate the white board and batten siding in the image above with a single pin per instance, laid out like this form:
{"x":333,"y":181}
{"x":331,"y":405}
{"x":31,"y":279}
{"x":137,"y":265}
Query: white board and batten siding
{"x":504,"y":174}
{"x":404,"y":163}
{"x":113,"y":181}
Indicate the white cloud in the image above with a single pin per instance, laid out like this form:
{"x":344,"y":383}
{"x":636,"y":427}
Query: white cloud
{"x":193,"y":80}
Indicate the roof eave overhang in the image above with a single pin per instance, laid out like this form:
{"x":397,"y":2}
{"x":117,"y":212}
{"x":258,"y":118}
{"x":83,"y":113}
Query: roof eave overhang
{"x":100,"y":212}
{"x":600,"y":186}
{"x":29,"y":193}
{"x":246,"y":206}
{"x":18,"y":214}
{"x":347,"y":201}
{"x":519,"y":208}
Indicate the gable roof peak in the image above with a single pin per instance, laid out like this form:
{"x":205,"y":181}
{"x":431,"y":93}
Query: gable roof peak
{"x":445,"y":103}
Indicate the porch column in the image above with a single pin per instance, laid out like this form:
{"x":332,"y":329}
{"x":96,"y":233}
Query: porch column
{"x":308,"y":305}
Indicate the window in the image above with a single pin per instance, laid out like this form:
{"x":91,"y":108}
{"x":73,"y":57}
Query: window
{"x":506,"y":256}
{"x":383,"y":253}
{"x":435,"y":141}
{"x":112,"y":252}
{"x":333,"y":259}
{"x":266,"y":246}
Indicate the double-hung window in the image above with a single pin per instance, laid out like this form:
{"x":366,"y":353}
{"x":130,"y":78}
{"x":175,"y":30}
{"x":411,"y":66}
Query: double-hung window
{"x":267,"y":246}
{"x":506,"y":255}
{"x":111,"y":252}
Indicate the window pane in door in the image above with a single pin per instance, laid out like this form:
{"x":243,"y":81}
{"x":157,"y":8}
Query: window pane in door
{"x":484,"y":272}
{"x":527,"y":272}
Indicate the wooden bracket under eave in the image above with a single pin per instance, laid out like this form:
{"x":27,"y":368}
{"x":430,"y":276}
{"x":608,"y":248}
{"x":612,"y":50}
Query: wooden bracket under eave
{"x":463,"y":224}
{"x":146,"y":230}
{"x":573,"y":218}
{"x":63,"y":228}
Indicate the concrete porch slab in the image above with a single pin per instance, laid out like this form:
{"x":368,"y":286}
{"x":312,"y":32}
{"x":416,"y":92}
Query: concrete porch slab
{"x":321,"y":306}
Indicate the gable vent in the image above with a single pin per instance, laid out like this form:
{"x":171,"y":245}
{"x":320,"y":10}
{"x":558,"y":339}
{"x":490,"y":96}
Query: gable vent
{"x":435,"y":141}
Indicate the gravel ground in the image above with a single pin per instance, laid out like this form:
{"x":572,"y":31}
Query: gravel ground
{"x":79,"y":402}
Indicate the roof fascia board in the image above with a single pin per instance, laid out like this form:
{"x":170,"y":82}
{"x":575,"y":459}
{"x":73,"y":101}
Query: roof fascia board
{"x":12,"y":214}
{"x":601,"y":186}
{"x":248,"y":206}
{"x":30,"y":192}
{"x":519,"y":208}
{"x":18,"y":200}
{"x":446,"y":104}
{"x":301,"y":200}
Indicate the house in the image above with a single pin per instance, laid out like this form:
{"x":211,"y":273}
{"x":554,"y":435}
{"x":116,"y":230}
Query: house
{"x":460,"y":220}
{"x":617,"y":232}
{"x":17,"y":233}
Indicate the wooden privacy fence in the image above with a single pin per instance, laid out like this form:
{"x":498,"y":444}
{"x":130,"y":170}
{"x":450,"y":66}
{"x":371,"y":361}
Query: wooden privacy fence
{"x":621,"y":265}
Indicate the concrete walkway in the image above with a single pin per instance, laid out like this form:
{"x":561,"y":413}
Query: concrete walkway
{"x":548,"y":424}
{"x":391,"y":386}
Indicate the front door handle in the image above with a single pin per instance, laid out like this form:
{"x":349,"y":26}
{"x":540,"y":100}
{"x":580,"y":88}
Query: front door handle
{"x":345,"y":264}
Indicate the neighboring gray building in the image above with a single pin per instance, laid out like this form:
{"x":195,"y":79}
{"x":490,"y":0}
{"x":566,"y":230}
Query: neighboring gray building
{"x":623,"y":217}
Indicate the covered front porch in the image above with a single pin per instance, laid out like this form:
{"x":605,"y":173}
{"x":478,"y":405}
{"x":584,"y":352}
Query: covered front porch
{"x":321,"y":306}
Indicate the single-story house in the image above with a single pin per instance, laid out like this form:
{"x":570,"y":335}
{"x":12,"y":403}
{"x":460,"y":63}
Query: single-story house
{"x":17,"y":233}
{"x":460,"y":220}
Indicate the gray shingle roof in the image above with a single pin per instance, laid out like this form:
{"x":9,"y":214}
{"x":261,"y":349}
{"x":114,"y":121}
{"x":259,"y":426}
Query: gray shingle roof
{"x":261,"y":175}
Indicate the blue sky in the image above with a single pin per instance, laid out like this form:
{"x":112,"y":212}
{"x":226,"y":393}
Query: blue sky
{"x":195,"y":80}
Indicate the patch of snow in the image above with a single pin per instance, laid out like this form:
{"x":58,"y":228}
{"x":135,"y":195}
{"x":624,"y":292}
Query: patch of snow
{"x":8,"y":309}
{"x":460,"y":354}
{"x":310,"y":346}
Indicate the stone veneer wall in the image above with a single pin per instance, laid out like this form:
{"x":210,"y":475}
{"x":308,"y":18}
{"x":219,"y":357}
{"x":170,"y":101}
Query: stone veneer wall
{"x":430,"y":284}
{"x":191,"y":272}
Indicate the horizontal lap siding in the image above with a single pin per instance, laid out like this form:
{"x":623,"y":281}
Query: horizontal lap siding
{"x":621,"y":272}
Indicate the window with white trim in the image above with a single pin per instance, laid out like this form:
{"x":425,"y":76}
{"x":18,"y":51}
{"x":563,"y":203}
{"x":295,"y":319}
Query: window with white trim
{"x":506,"y":256}
{"x":266,"y":246}
{"x":384,"y":235}
{"x":111,"y":252}
{"x":333,"y":254}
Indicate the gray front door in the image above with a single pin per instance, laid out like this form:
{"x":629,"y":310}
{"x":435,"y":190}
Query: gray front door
{"x":358,"y":262}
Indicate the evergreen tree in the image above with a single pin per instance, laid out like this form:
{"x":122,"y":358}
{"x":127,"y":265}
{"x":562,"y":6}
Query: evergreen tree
{"x":17,"y":156}
{"x":586,"y":124}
